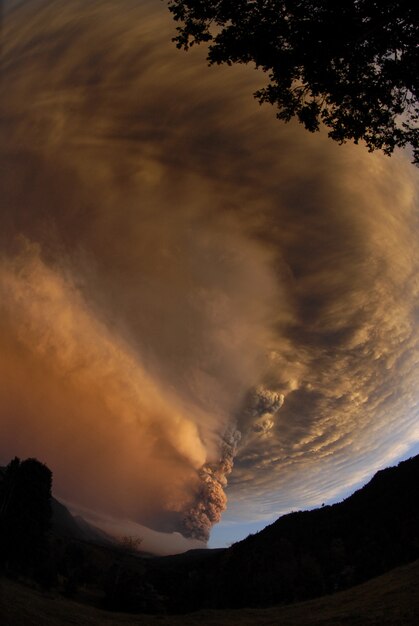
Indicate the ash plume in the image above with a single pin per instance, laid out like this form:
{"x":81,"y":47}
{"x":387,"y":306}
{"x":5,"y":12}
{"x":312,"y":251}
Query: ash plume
{"x":262,"y":407}
{"x":211,"y":499}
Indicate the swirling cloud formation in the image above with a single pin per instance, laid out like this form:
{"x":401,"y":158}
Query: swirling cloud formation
{"x":190,"y":291}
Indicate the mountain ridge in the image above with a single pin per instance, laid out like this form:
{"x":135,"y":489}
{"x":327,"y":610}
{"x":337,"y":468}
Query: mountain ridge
{"x":300,"y":556}
{"x":306,"y":554}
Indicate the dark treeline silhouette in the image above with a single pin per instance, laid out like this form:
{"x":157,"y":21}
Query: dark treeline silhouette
{"x":351,"y":65}
{"x":300,"y":556}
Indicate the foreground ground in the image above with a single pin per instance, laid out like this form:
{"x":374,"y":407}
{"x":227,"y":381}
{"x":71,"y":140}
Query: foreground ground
{"x":389,"y":599}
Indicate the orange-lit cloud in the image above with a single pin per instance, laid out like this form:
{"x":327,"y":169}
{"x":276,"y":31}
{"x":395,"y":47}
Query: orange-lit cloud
{"x":177,"y":266}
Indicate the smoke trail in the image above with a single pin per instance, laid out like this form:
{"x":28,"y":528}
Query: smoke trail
{"x":260,"y":407}
{"x":211,"y":500}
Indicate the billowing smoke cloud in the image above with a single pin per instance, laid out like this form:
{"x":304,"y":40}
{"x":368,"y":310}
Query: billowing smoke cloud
{"x":120,"y":409}
{"x":211,"y":500}
{"x":262,"y":407}
{"x":177,"y":268}
{"x":135,"y":315}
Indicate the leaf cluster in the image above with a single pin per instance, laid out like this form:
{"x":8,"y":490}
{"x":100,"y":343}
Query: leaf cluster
{"x":350,"y":65}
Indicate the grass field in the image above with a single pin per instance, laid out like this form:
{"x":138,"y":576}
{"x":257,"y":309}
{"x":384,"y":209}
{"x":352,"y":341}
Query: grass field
{"x":389,"y":599}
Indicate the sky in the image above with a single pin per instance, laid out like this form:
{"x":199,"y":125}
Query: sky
{"x":208,"y":318}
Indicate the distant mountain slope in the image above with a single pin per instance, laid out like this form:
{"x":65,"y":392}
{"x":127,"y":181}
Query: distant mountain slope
{"x":76,"y":527}
{"x":64,"y":524}
{"x":300,"y":556}
{"x":310,"y":553}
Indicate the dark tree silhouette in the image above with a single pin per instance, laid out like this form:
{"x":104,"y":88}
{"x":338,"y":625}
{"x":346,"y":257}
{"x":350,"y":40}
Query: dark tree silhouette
{"x":25,"y":513}
{"x":351,"y":65}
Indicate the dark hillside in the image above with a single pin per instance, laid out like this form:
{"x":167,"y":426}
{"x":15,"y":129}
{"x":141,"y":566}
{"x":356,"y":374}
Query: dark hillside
{"x":389,"y":600}
{"x":300,"y":556}
{"x":307,"y":554}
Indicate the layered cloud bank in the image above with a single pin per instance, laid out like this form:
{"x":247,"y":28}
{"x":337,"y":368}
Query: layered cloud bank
{"x":190,"y":291}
